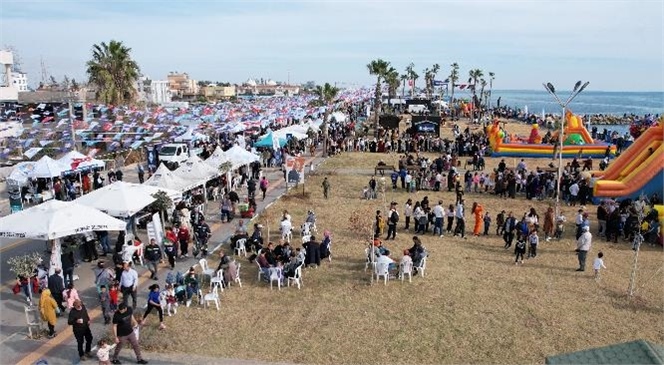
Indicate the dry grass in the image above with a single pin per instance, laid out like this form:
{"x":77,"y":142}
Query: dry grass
{"x":473,"y":306}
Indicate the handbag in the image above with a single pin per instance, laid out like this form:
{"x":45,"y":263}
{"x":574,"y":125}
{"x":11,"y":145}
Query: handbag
{"x":16,"y":288}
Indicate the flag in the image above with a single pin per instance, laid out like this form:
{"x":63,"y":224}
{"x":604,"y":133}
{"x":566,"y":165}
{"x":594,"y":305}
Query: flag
{"x":410,"y":82}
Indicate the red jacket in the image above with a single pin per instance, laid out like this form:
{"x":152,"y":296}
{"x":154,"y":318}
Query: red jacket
{"x":171,"y":236}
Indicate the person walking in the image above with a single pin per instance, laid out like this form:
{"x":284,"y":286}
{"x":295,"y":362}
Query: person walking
{"x":141,"y":173}
{"x":47,"y":306}
{"x":56,"y":285}
{"x":154,"y":302}
{"x":153,"y":255}
{"x":583,"y":245}
{"x":80,"y":322}
{"x":123,"y":328}
{"x":478,"y":211}
{"x":460,"y":228}
{"x":129,"y":284}
{"x":439,"y":214}
{"x":326,"y":188}
{"x":264,"y":183}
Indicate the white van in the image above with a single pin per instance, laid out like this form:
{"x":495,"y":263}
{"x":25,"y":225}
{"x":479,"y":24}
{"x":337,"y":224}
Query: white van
{"x":417,"y":108}
{"x":173,"y":154}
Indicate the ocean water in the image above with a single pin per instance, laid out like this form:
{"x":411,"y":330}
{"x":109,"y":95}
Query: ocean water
{"x":588,"y":102}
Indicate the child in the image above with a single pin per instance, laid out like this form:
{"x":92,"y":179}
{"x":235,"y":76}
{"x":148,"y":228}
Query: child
{"x":105,"y":302}
{"x":104,"y":352}
{"x":113,"y":295}
{"x":519,"y":250}
{"x":500,"y":222}
{"x":533,"y":239}
{"x":70,"y":295}
{"x":487,"y":223}
{"x":171,"y":300}
{"x":598,"y":264}
{"x":560,"y":226}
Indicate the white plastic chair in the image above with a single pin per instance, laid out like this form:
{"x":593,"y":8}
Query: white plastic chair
{"x":218,"y":280}
{"x":306,"y":239}
{"x":287,"y":236}
{"x":382,"y":269}
{"x":241,"y":247}
{"x":368,"y":260}
{"x":260,"y":270}
{"x":205,"y":269}
{"x":306,"y":229}
{"x":275,"y":275}
{"x":406,"y":269}
{"x":422,"y":267}
{"x":212,"y":297}
{"x":297,"y":278}
{"x":237,"y":278}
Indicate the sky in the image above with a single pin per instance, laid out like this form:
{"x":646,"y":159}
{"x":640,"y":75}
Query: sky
{"x":616,"y":45}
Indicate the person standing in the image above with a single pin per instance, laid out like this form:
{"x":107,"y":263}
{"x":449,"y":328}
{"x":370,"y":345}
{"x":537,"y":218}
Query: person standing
{"x":56,"y":285}
{"x":599,"y":264}
{"x":129,"y":284}
{"x":439,"y":213}
{"x":407,"y":211}
{"x":533,"y":240}
{"x":460,"y":228}
{"x":326,"y":188}
{"x":508,"y":230}
{"x":583,"y":245}
{"x":153,"y":255}
{"x":80,"y":322}
{"x":478,"y":211}
{"x":123,"y":328}
{"x":392,"y":220}
{"x":47,"y":306}
{"x":264,"y":183}
{"x":141,"y":173}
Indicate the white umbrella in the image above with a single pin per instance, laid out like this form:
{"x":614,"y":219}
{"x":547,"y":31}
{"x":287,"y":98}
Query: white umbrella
{"x":78,"y":161}
{"x":239,"y":156}
{"x":122,"y":199}
{"x":47,"y":167}
{"x":54,"y":219}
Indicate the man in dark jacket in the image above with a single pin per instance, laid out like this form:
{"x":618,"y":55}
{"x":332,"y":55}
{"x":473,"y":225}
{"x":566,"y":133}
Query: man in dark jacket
{"x":80,"y":322}
{"x":57,"y":286}
{"x":313,"y":252}
{"x":153,"y":255}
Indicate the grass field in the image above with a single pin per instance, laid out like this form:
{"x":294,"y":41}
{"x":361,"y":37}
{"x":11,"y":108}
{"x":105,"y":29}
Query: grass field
{"x":473,"y":306}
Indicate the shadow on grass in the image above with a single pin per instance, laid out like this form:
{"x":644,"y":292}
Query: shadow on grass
{"x":621,"y":300}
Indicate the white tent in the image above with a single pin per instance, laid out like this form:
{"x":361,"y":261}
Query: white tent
{"x":196,"y":171}
{"x":18,"y":177}
{"x":165,"y":178}
{"x":56,"y":219}
{"x":295,"y":132}
{"x":122,"y":199}
{"x":238,"y":156}
{"x":217,"y":158}
{"x":78,"y":161}
{"x":338,"y":116}
{"x":10,"y":129}
{"x":46,"y":168}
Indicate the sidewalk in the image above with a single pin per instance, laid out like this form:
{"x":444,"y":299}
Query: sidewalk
{"x":62,"y":349}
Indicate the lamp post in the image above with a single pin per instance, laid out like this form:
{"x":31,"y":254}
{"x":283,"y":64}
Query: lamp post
{"x":578,"y":88}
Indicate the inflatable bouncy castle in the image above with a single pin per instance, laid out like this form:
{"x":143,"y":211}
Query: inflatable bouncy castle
{"x":577,"y":141}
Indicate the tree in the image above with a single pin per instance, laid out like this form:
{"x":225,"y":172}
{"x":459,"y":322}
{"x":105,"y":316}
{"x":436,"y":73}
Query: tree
{"x":454,"y":77}
{"x":162,"y":204}
{"x":491,"y":78}
{"x":326,"y":95}
{"x":404,"y":78}
{"x":414,"y":76}
{"x":475,"y":75}
{"x":74,"y":85}
{"x":429,"y":78}
{"x":378,"y":68}
{"x":66,"y":83}
{"x":53,"y":83}
{"x":392,"y":80}
{"x":113,"y":72}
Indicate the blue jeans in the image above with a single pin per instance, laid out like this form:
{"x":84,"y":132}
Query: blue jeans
{"x":103,"y":240}
{"x":438,"y":226}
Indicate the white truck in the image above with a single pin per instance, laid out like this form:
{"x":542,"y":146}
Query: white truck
{"x":173,"y":154}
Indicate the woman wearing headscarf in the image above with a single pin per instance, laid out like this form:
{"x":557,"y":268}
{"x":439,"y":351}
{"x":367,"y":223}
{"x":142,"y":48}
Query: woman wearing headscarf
{"x":478,"y":211}
{"x":47,"y":306}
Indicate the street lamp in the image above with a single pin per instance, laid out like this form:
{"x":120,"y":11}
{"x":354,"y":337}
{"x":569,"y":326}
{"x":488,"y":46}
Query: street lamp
{"x":578,"y":88}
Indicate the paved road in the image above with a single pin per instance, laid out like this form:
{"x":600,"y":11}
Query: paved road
{"x":14,"y":346}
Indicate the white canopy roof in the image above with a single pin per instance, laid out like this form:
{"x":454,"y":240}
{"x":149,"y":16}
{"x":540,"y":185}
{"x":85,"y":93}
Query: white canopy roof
{"x":239,"y":156}
{"x":54,"y":219}
{"x":217,"y":158}
{"x":165,"y":178}
{"x":46,"y":167}
{"x":196,"y":171}
{"x":78,"y":161}
{"x":123,"y":199}
{"x":292,"y":130}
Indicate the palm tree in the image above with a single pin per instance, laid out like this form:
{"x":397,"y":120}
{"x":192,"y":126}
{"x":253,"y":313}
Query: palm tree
{"x":475,"y":75}
{"x":430,"y":77}
{"x":404,"y":78}
{"x":378,"y":68}
{"x":414,"y":76}
{"x":491,"y":78}
{"x":392,"y":80}
{"x":410,"y":73}
{"x":427,"y":82}
{"x":326,"y":95}
{"x":113,"y":72}
{"x":454,"y":77}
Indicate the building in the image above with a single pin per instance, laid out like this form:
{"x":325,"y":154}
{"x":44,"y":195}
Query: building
{"x":8,"y":91}
{"x":181,"y":85}
{"x":267,"y":88}
{"x":20,"y":80}
{"x":153,"y":91}
{"x":216,"y":92}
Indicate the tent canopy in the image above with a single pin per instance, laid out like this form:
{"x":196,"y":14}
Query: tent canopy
{"x":196,"y":171}
{"x":55,"y":219}
{"x":268,"y":140}
{"x":122,"y":199}
{"x":78,"y":161}
{"x":45,"y":168}
{"x":239,"y":156}
{"x":166,"y":179}
{"x":217,"y":158}
{"x":635,"y":352}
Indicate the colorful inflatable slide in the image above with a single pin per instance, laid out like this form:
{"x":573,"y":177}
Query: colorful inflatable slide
{"x":577,"y":142}
{"x":640,"y":169}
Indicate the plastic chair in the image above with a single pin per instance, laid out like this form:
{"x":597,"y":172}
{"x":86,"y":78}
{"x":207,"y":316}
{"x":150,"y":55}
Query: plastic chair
{"x":368,"y":260}
{"x":241,"y":247}
{"x":422,"y":266}
{"x":212,"y":297}
{"x":382,"y":269}
{"x":275,"y":275}
{"x":206,"y":269}
{"x":218,"y":280}
{"x":297,"y":277}
{"x":237,"y":278}
{"x":406,"y":269}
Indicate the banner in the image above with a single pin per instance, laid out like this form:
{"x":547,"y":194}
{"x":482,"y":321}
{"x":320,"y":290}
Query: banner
{"x":159,"y":228}
{"x":295,"y":170}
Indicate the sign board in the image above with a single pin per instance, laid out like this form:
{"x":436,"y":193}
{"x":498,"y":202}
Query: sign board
{"x":152,"y":232}
{"x":159,"y":228}
{"x":295,"y":170}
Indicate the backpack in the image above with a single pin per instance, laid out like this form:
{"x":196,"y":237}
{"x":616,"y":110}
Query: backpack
{"x":521,"y":245}
{"x":394,"y":217}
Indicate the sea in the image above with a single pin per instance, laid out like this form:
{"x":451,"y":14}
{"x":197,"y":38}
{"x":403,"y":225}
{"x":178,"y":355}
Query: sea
{"x":588,"y":102}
